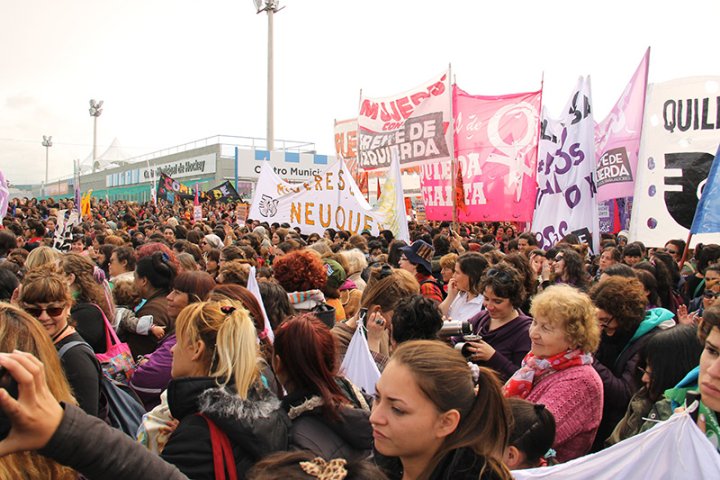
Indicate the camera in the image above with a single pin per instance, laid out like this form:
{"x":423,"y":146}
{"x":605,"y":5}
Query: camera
{"x":463,"y":347}
{"x":455,"y":328}
{"x":8,"y":383}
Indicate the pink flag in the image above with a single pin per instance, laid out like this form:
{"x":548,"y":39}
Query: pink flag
{"x":617,"y":138}
{"x":4,"y":195}
{"x":496,"y":141}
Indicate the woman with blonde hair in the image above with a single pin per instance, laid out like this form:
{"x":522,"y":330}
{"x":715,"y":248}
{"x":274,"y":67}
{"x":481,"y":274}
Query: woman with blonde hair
{"x":45,"y":295}
{"x":19,"y":331}
{"x":42,"y":256}
{"x":217,"y":387}
{"x":558,"y":371}
{"x":431,"y":421}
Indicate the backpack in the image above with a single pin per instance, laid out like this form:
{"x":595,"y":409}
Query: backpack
{"x":124,"y":409}
{"x":438,"y":284}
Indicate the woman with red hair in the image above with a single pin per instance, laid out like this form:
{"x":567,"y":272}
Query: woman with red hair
{"x":329,"y":415}
{"x":302,"y":274}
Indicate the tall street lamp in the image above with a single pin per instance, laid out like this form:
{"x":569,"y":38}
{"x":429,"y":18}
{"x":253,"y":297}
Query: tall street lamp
{"x":47,"y":143}
{"x":95,"y":111}
{"x":271,"y":7}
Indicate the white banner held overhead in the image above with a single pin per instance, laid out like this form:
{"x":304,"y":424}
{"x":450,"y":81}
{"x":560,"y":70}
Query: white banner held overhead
{"x":331,"y":199}
{"x":681,"y":133}
{"x":566,"y":199}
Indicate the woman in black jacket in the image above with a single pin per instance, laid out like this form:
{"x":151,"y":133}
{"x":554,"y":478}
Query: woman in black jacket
{"x":329,"y":415}
{"x":217,"y":382}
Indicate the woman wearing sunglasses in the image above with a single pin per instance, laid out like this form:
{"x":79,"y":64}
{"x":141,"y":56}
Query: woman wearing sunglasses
{"x":626,"y":328}
{"x":46,"y":296}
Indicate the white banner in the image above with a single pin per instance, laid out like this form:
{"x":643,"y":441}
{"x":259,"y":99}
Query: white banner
{"x":415,"y":125}
{"x":566,"y":199}
{"x":391,"y":204}
{"x":681,"y":133}
{"x":331,"y":199}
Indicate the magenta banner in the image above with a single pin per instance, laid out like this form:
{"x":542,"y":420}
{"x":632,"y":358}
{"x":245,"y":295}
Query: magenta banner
{"x":496,"y":140}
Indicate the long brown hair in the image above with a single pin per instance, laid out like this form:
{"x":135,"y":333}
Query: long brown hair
{"x":89,"y":289}
{"x":20,"y":331}
{"x":444,"y":376}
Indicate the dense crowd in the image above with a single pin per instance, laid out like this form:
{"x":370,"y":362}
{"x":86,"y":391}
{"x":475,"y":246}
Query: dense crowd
{"x":149,"y":345}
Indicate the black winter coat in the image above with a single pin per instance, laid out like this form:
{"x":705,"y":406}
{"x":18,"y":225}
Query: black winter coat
{"x":349,"y":436}
{"x":459,"y":464}
{"x":256,"y":427}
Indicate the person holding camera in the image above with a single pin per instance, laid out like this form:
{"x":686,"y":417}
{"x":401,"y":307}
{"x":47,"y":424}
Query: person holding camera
{"x":502,"y":326}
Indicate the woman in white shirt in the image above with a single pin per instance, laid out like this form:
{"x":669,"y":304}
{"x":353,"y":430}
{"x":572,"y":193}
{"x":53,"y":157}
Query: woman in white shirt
{"x":464,"y":299}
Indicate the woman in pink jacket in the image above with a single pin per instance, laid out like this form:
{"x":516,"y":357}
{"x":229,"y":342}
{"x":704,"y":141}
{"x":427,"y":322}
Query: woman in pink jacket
{"x":558,"y":371}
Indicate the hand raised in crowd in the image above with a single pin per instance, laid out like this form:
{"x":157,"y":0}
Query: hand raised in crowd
{"x":36,"y":414}
{"x":375,"y":324}
{"x":685,"y":318}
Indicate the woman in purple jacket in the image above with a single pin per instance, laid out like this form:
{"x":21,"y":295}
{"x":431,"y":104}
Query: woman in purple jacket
{"x":153,"y":374}
{"x":502,"y":325}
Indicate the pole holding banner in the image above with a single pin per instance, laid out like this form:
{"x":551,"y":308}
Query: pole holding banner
{"x":237,"y":155}
{"x":453,"y":160}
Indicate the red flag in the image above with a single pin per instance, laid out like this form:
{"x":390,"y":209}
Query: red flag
{"x":460,"y":191}
{"x":379,"y":192}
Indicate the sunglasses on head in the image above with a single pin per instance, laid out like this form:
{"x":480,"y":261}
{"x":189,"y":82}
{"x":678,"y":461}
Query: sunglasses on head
{"x":51,"y":311}
{"x":501,"y":275}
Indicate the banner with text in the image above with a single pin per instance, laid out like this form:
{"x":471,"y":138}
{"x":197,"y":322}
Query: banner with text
{"x":224,"y":192}
{"x":681,"y":133}
{"x":346,"y":144}
{"x":617,"y":138}
{"x":414,"y":125}
{"x":566,"y":197}
{"x":496,"y":141}
{"x":170,"y":190}
{"x":331,"y":199}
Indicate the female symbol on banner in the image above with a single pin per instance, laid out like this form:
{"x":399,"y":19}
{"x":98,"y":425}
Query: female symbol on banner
{"x":513,"y":155}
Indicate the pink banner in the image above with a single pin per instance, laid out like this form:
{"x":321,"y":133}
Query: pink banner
{"x":617,"y":139}
{"x":496,"y":140}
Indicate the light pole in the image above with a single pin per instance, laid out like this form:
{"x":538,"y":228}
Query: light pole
{"x":271,"y":7}
{"x":47,"y":143}
{"x":95,"y":111}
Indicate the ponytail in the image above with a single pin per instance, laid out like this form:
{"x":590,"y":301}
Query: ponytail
{"x":236,"y":350}
{"x":230,"y":341}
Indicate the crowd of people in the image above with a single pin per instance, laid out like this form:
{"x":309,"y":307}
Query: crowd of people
{"x":228,"y":335}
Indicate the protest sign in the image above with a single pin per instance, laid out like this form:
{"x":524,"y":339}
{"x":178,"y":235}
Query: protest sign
{"x":496,"y":139}
{"x":414,"y":125}
{"x":617,"y":138}
{"x":681,"y":132}
{"x":331,"y":199}
{"x":566,"y":197}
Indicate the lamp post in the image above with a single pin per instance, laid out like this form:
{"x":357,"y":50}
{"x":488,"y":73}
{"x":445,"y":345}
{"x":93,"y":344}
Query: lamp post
{"x":271,"y":7}
{"x":47,"y":143}
{"x":95,"y":111}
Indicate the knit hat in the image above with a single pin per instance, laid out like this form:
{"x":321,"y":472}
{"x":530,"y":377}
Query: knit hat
{"x":335,"y":273}
{"x":421,"y":253}
{"x":214,"y":240}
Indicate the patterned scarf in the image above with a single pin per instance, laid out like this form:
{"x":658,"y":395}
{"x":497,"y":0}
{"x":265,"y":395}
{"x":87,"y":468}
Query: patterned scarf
{"x":534,"y":369}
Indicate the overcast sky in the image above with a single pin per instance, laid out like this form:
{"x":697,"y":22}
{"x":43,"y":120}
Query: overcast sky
{"x":174,"y":71}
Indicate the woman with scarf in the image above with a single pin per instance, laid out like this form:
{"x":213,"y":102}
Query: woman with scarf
{"x":626,"y":328}
{"x":558,"y":372}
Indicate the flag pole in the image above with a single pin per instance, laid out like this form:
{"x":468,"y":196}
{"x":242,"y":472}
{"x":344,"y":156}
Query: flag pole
{"x":451,"y":125}
{"x":686,"y":251}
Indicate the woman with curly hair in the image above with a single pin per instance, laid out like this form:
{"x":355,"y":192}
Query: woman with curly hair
{"x":91,"y":300}
{"x":302,"y":274}
{"x":569,"y":268}
{"x":626,"y":328}
{"x":558,"y":372}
